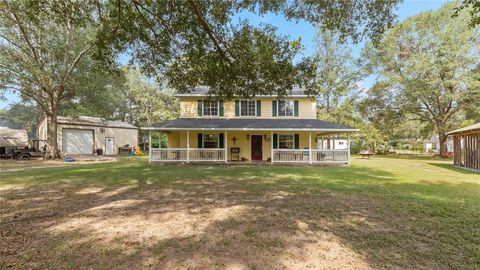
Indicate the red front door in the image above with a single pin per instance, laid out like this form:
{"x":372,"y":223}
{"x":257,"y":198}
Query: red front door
{"x":256,"y":147}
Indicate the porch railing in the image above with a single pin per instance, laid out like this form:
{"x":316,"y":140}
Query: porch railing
{"x":279,"y":155}
{"x":199,"y":154}
{"x":330,"y":156}
{"x":168,"y":154}
{"x":184,"y":155}
{"x":317,"y":156}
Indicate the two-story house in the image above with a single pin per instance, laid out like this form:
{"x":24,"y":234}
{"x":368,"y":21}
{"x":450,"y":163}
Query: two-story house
{"x":264,"y":128}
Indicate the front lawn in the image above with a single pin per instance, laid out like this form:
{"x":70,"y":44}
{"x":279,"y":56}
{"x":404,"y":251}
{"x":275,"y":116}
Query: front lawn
{"x":378,"y":213}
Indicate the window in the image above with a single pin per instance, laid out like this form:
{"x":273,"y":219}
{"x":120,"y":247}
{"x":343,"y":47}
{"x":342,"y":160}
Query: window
{"x":248,"y":108}
{"x":285,"y":142}
{"x":285,"y":107}
{"x":210,"y":108}
{"x":210,"y":141}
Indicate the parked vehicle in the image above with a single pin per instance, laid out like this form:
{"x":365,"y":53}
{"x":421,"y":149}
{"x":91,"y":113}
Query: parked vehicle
{"x":36,"y":149}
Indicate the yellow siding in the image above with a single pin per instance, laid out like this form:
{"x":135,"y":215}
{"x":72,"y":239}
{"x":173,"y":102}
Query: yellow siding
{"x":307,"y":107}
{"x":188,"y":107}
{"x":179,"y":140}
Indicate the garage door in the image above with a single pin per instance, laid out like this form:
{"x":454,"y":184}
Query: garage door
{"x":77,"y":141}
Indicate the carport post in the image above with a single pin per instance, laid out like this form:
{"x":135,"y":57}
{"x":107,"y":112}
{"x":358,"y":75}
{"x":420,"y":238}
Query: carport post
{"x":149,"y":146}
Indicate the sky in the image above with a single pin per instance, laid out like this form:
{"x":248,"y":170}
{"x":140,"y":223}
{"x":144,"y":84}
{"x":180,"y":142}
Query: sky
{"x":306,"y":32}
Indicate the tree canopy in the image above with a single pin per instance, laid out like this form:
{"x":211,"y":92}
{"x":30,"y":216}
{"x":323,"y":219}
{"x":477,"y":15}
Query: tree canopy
{"x":429,"y":66}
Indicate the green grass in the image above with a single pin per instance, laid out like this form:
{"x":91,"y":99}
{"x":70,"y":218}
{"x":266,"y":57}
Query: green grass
{"x":384,"y":212}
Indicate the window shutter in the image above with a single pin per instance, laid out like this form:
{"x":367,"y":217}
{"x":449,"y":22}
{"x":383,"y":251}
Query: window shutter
{"x":199,"y":108}
{"x":220,"y":141}
{"x":200,"y":140}
{"x":274,"y":108}
{"x":275,"y":141}
{"x":259,"y":108}
{"x":295,"y":108}
{"x":237,"y":108}
{"x":296,"y":141}
{"x":220,"y":108}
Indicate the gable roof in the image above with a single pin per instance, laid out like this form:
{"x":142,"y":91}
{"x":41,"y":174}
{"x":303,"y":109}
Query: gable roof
{"x":202,"y":91}
{"x":284,"y":124}
{"x":474,"y":127}
{"x":93,"y":121}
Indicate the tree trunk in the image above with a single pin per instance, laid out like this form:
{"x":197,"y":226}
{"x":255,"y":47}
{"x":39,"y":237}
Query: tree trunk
{"x":442,"y":138}
{"x":51,"y":114}
{"x":52,"y":140}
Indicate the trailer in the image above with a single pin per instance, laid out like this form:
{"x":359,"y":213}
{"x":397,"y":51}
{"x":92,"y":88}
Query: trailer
{"x":11,"y":141}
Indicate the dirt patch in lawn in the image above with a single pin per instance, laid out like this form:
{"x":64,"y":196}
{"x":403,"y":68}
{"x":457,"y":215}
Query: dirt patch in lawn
{"x":196,"y":224}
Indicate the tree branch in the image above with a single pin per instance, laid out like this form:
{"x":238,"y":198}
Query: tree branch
{"x":25,"y":36}
{"x":208,"y":29}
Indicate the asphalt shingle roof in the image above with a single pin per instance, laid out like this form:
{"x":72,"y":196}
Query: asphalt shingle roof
{"x":249,"y":124}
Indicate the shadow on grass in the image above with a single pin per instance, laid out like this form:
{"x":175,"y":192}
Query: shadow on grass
{"x":453,"y":168}
{"x":134,"y":215}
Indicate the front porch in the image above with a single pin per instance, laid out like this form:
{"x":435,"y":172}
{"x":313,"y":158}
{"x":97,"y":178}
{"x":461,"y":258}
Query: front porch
{"x":250,"y":146}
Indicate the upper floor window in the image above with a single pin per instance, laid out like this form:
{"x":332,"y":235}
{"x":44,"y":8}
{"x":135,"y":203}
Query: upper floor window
{"x":247,"y":108}
{"x":285,"y":107}
{"x":210,"y":108}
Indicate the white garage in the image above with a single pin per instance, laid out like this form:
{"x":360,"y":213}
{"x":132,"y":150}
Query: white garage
{"x":77,"y":141}
{"x":85,"y":135}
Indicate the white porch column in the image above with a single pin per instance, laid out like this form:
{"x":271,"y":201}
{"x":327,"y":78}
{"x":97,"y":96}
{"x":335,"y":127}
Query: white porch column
{"x":348,"y":153}
{"x":226,"y":147}
{"x":149,"y":146}
{"x":271,"y":147}
{"x":188,"y":146}
{"x":310,"y":147}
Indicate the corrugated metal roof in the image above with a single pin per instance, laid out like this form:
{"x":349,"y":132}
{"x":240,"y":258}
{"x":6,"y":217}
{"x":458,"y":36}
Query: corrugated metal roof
{"x":249,"y":124}
{"x":465,"y":129}
{"x":93,"y":121}
{"x":203,"y":91}
{"x":13,"y":137}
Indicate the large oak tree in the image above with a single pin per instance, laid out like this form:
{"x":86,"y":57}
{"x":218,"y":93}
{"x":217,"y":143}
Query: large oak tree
{"x":428,"y":65}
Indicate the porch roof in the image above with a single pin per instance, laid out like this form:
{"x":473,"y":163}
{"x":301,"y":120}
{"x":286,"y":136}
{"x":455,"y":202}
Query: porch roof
{"x":285,"y":124}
